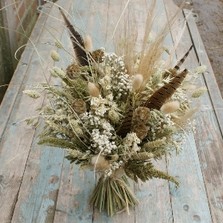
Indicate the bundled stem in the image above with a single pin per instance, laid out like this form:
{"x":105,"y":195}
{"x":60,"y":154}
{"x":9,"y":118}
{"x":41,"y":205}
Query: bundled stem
{"x":112,"y":195}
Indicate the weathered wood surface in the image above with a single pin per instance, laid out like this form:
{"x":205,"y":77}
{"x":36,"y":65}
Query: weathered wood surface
{"x":38,"y":185}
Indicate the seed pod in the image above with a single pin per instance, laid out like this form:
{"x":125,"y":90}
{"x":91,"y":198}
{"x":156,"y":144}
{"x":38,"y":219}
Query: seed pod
{"x":88,"y":43}
{"x":98,"y":55}
{"x":54,"y":55}
{"x":141,"y":115}
{"x":137,"y":82}
{"x":200,"y":91}
{"x":93,"y":90}
{"x":170,"y":107}
{"x":79,"y":106}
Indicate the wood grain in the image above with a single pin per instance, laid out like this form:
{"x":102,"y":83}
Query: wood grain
{"x":189,"y":201}
{"x":18,"y":137}
{"x":209,"y":132}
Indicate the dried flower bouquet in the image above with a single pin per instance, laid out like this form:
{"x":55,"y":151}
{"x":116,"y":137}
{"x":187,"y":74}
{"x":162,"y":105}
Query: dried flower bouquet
{"x":117,"y":114}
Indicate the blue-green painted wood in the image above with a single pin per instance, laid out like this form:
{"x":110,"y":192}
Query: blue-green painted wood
{"x":189,"y":201}
{"x":31,"y":203}
{"x":209,"y":127}
{"x":73,"y":198}
{"x":16,"y":140}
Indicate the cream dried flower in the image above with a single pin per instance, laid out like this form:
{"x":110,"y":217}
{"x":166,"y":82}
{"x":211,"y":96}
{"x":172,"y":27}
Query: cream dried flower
{"x":32,"y":93}
{"x":200,"y":91}
{"x":79,"y":106}
{"x":201,"y":69}
{"x":93,"y":90}
{"x":88,"y":43}
{"x":170,"y":107}
{"x":137,"y":82}
{"x":54,"y":55}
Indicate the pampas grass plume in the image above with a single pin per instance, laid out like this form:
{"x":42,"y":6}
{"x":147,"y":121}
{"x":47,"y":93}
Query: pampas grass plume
{"x":88,"y":43}
{"x":93,"y":89}
{"x":137,"y":82}
{"x":170,"y":107}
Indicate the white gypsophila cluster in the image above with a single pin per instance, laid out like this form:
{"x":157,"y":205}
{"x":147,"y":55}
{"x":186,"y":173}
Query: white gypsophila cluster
{"x":101,"y":105}
{"x":90,"y":120}
{"x":131,"y":141}
{"x":102,"y":142}
{"x":120,"y":81}
{"x":102,"y":134}
{"x":105,"y":83}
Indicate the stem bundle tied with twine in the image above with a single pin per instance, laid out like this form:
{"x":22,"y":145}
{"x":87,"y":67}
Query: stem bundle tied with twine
{"x":113,"y":195}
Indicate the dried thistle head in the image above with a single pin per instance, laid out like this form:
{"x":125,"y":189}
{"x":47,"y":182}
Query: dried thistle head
{"x":72,"y":70}
{"x":141,"y":114}
{"x":140,"y":130}
{"x":98,"y":55}
{"x":79,"y":106}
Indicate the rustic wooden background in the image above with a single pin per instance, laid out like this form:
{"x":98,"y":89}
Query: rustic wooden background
{"x":17,"y":19}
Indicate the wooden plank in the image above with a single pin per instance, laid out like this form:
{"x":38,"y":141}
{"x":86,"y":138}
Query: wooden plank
{"x":15,"y":85}
{"x":18,"y":137}
{"x":209,"y":76}
{"x":39,"y":189}
{"x":189,"y":202}
{"x":209,"y":127}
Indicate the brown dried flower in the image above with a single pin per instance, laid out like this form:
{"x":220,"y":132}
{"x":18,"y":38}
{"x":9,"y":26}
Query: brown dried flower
{"x":72,"y":70}
{"x":141,"y":114}
{"x":141,"y":130}
{"x":98,"y":55}
{"x":79,"y":106}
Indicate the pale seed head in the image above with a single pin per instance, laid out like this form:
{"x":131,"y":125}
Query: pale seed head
{"x":170,"y":107}
{"x":137,"y":82}
{"x":93,"y":90}
{"x":54,"y":55}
